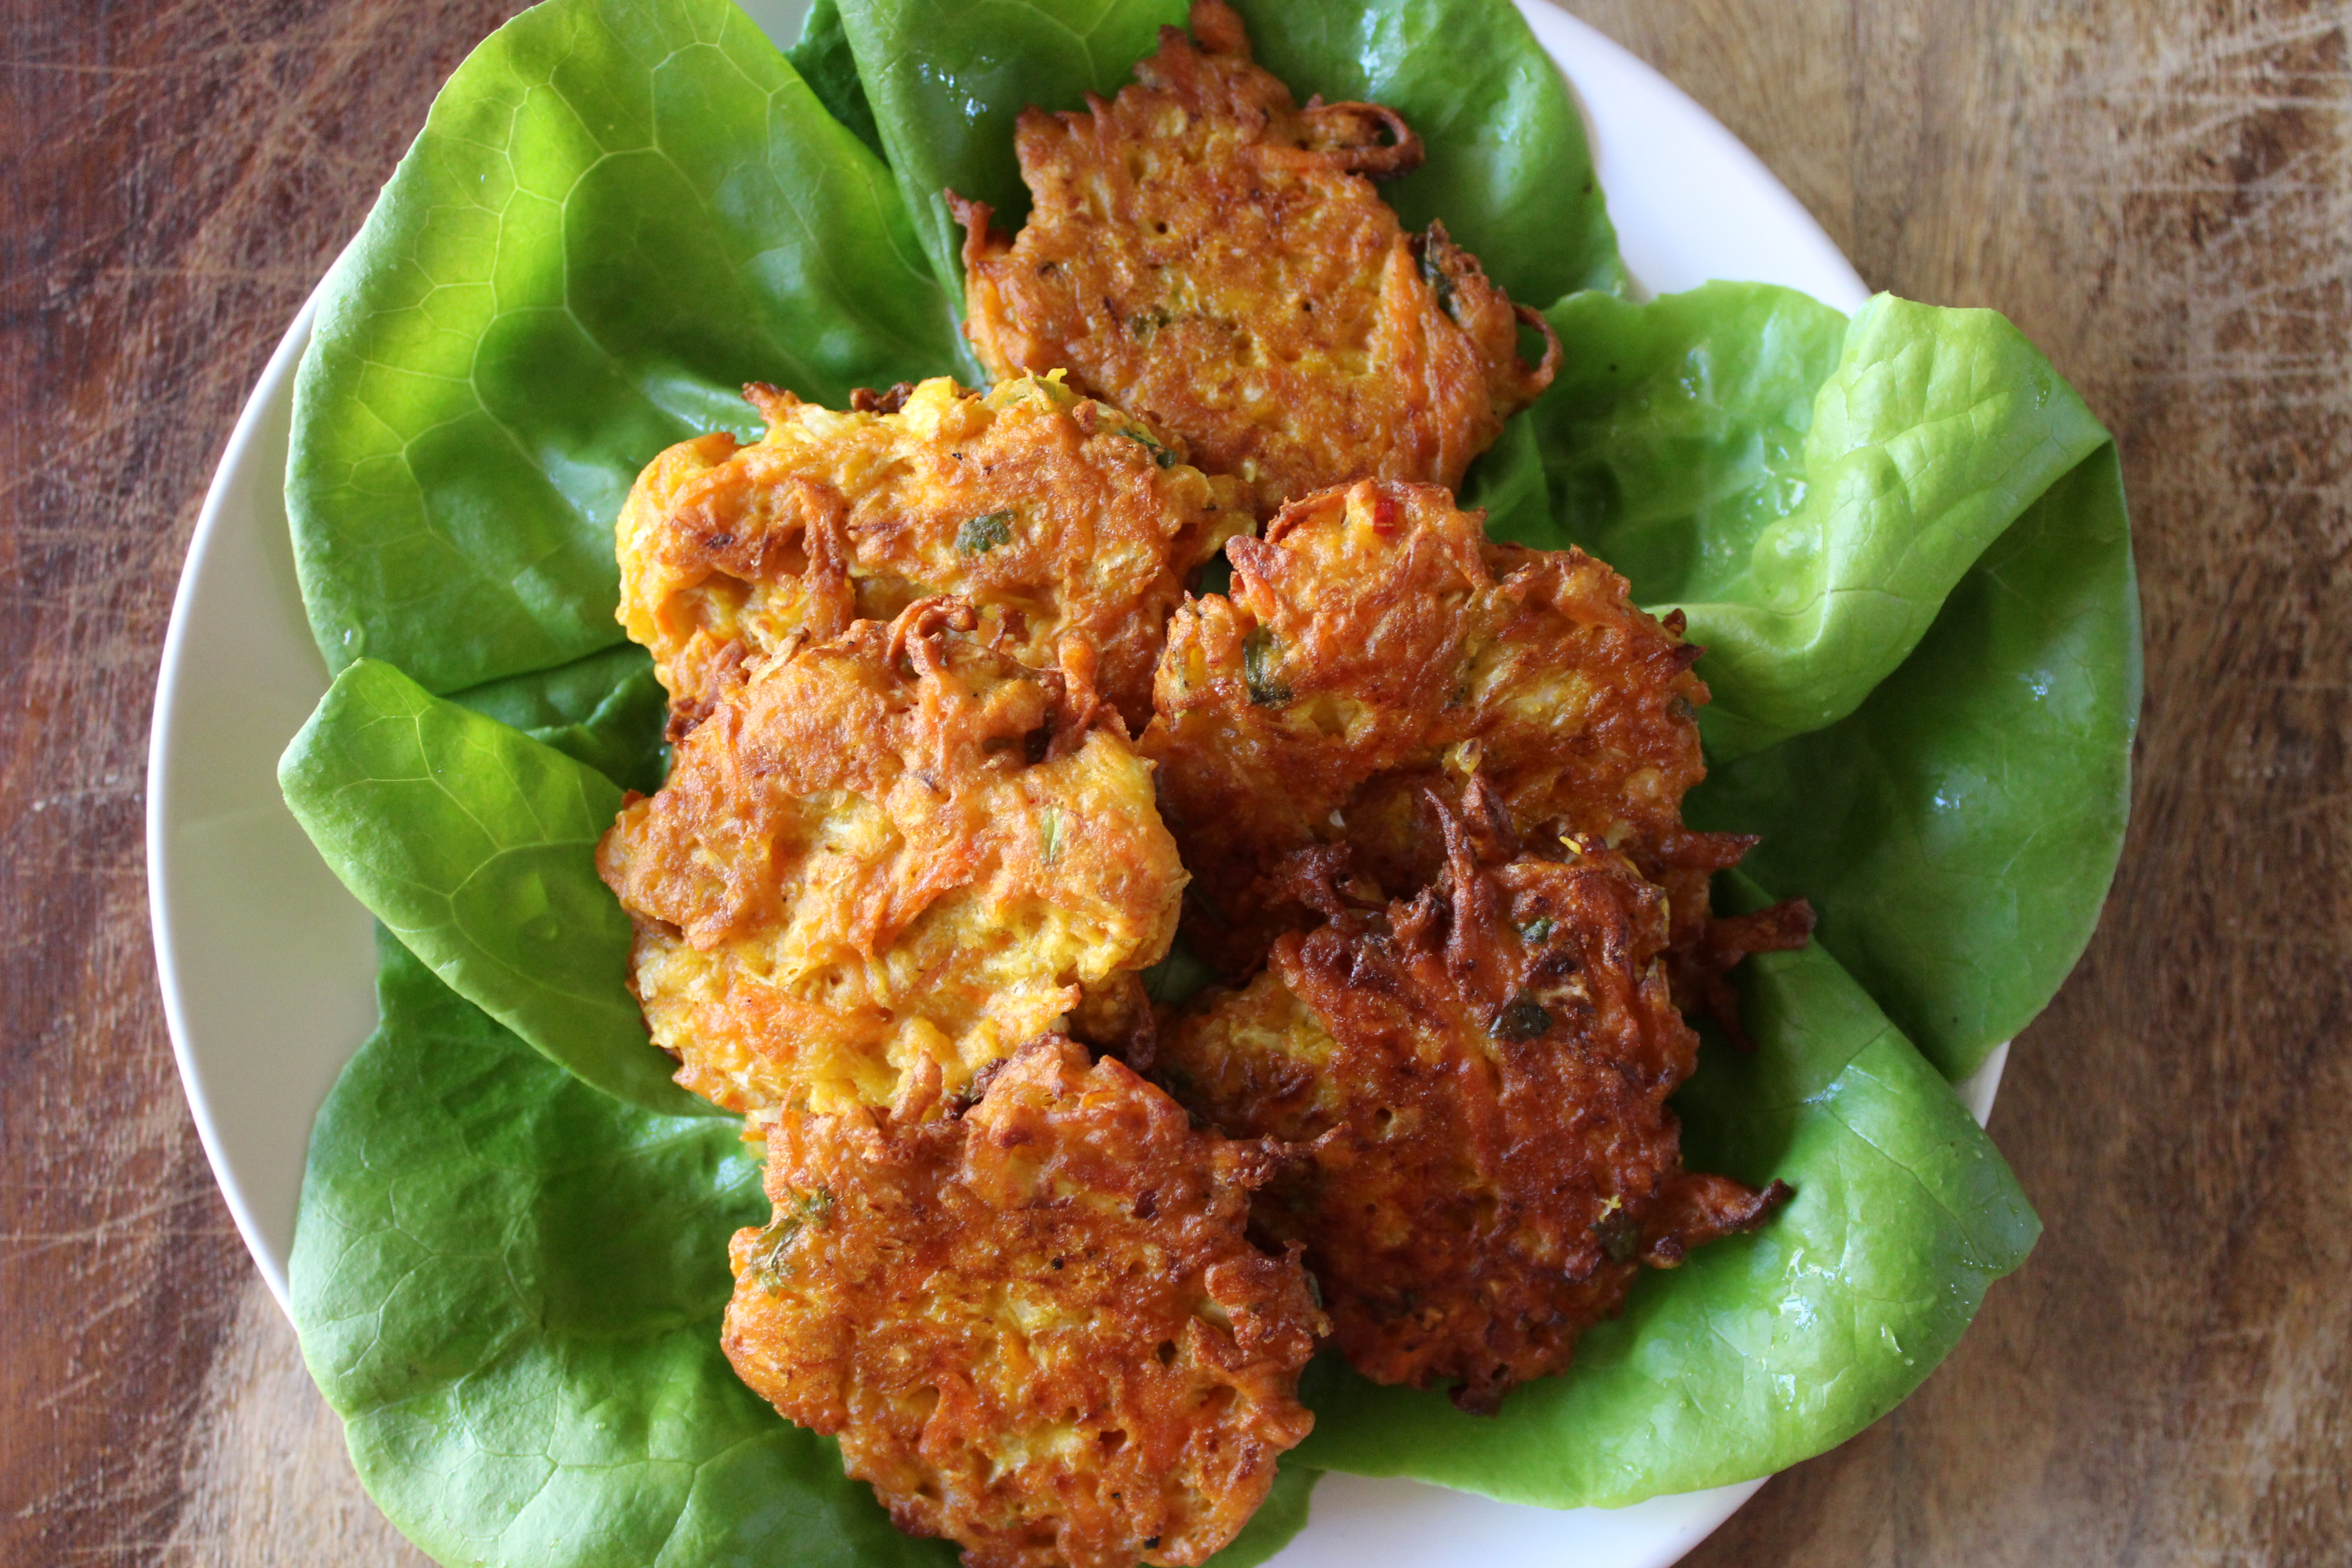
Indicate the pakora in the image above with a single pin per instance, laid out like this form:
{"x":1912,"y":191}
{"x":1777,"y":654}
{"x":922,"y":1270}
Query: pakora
{"x":1377,"y":651}
{"x":1046,"y":511}
{"x":1038,"y":1329}
{"x":1204,"y":252}
{"x":885,"y":862}
{"x":1481,"y":1075}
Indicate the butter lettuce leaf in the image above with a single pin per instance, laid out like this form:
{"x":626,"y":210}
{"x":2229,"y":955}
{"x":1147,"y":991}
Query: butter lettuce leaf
{"x":1762,"y":1350}
{"x":1958,"y":825}
{"x":1507,"y":168}
{"x":825,"y":62}
{"x":947,"y":78}
{"x":510,"y":1287}
{"x":608,"y":710}
{"x":618,"y":213}
{"x":476,"y":844}
{"x":1959,"y":832}
{"x":1807,"y":490}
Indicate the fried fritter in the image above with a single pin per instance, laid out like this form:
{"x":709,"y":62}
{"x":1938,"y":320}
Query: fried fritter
{"x":1047,"y":512}
{"x":1207,"y":254}
{"x":1037,"y":1328}
{"x":1378,"y":647}
{"x":885,"y":862}
{"x":1481,"y":1074}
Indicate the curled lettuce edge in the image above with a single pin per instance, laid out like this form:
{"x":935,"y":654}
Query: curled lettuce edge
{"x":1976,"y":801}
{"x":476,"y":844}
{"x":1961,"y":786}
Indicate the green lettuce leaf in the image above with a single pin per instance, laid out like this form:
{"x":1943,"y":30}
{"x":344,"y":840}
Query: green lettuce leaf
{"x":619,"y":212}
{"x":608,"y":710}
{"x":1807,"y":492}
{"x":477,"y":846}
{"x":947,"y":78}
{"x":1764,"y":1349}
{"x":1174,"y":979}
{"x":1508,"y":168}
{"x":1958,"y":832}
{"x":510,"y":1287}
{"x":825,"y":62}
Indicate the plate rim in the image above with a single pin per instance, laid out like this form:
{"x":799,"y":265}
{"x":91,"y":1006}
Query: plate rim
{"x":274,"y":382}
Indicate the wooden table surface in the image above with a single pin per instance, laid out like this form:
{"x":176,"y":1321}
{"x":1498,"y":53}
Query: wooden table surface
{"x":2160,"y":194}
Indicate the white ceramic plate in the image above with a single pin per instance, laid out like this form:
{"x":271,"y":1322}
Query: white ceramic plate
{"x":268,"y":965}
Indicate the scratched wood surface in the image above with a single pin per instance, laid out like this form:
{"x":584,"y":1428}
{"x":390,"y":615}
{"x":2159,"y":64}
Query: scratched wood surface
{"x":2161,"y":195}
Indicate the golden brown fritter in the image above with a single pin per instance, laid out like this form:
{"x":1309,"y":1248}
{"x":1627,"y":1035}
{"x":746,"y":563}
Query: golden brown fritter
{"x":1482,"y":1073}
{"x":1037,"y":1328}
{"x":885,"y":862}
{"x":1204,"y":252}
{"x":1046,"y":510}
{"x":1378,"y":647}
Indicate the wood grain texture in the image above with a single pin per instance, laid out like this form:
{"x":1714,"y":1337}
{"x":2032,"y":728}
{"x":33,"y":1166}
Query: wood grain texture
{"x":2161,"y":195}
{"x":174,"y":177}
